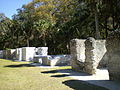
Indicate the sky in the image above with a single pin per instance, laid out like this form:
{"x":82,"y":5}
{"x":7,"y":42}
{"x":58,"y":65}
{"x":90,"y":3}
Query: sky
{"x":9,"y":7}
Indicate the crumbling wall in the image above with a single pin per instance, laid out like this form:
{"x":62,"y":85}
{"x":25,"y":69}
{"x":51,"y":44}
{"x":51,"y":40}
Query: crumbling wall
{"x":1,"y":53}
{"x":113,"y":50}
{"x":90,"y":56}
{"x":87,"y":54}
{"x":101,"y":53}
{"x":42,"y":51}
{"x":59,"y":60}
{"x":18,"y":54}
{"x":77,"y":48}
{"x":28,"y":53}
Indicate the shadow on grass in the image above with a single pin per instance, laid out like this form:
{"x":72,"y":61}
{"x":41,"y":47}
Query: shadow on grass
{"x":20,"y":65}
{"x":82,"y":85}
{"x":70,"y":71}
{"x":51,"y":71}
{"x":59,"y":76}
{"x":55,"y":71}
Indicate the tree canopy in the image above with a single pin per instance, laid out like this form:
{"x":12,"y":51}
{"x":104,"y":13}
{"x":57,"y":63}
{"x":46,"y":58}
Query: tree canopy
{"x":53,"y":23}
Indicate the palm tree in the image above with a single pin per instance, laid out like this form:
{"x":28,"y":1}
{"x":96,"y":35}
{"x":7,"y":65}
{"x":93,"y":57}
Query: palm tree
{"x":94,"y":4}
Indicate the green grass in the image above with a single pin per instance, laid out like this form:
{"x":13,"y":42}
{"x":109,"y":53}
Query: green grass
{"x":21,"y":76}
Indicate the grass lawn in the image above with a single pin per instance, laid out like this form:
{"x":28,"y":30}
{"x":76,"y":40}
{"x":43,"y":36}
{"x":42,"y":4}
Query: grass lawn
{"x":22,"y":76}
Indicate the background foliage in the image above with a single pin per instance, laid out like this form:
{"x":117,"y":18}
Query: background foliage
{"x":53,"y":23}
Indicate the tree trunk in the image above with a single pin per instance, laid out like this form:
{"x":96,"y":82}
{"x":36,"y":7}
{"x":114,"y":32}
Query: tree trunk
{"x":28,"y":42}
{"x":97,"y":32}
{"x":106,"y":31}
{"x":44,"y":42}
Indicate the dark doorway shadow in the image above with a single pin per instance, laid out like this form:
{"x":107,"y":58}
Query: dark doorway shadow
{"x":60,"y":76}
{"x":20,"y":65}
{"x":82,"y":85}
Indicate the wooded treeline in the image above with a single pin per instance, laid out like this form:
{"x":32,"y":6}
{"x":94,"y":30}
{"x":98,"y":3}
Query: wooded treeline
{"x":53,"y":23}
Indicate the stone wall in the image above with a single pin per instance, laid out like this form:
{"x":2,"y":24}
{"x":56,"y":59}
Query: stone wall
{"x":59,"y":60}
{"x":90,"y":56}
{"x":101,"y":53}
{"x":42,"y":51}
{"x":113,"y":50}
{"x":1,"y":53}
{"x":87,"y":54}
{"x":28,"y":53}
{"x":53,"y":60}
{"x":4,"y":54}
{"x":24,"y":53}
{"x":9,"y":54}
{"x":77,"y":48}
{"x":19,"y":54}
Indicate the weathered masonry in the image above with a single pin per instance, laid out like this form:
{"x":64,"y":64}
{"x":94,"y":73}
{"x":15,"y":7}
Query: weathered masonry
{"x":113,"y":51}
{"x":37,"y":55}
{"x":88,"y":54}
